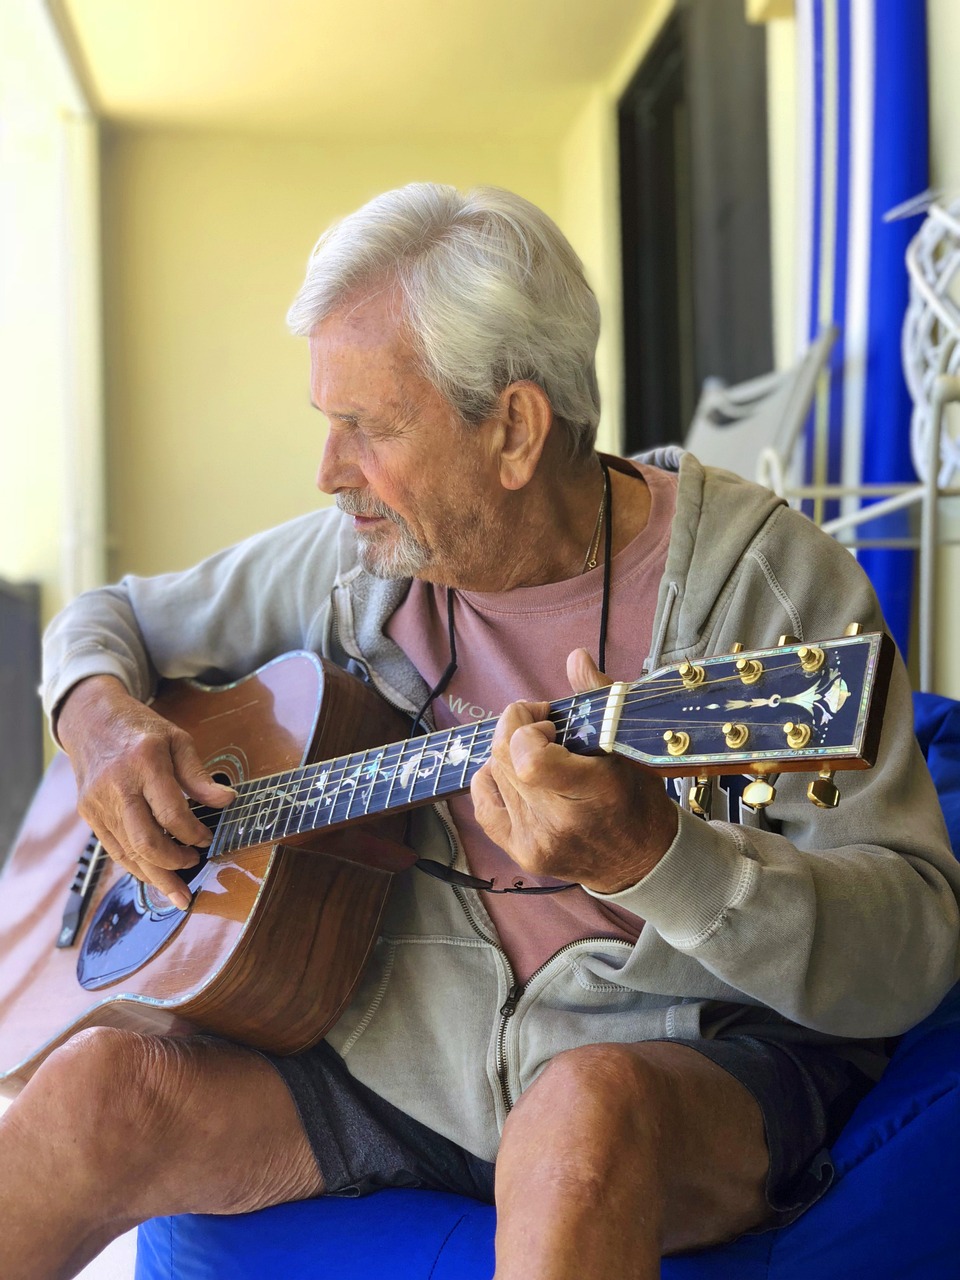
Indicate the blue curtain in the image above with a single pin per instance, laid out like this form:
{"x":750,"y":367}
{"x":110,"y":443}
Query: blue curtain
{"x":863,"y":107}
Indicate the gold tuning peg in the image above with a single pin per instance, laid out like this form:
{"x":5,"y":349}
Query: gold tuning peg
{"x":853,"y":629}
{"x":737,"y":646}
{"x":822,"y":790}
{"x":700,"y":797}
{"x":735,"y":735}
{"x":750,"y":670}
{"x":677,"y":741}
{"x":788,"y":639}
{"x":811,"y":658}
{"x":798,"y":735}
{"x":691,"y":675}
{"x":758,"y":794}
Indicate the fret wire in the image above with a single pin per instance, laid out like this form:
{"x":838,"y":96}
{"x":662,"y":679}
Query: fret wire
{"x":269,"y":818}
{"x":376,"y":779}
{"x":341,"y":781}
{"x":303,"y":801}
{"x":293,"y":819}
{"x":393,"y":776}
{"x":471,"y":750}
{"x":358,"y":784}
{"x":296,"y":803}
{"x":658,"y":689}
{"x":413,"y":764}
{"x":370,"y":783}
{"x":322,"y":773}
{"x":232,"y":828}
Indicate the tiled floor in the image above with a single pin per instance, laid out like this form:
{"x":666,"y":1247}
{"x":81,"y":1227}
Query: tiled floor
{"x":116,"y":1262}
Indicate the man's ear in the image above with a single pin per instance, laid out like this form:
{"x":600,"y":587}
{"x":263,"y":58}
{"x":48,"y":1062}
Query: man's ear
{"x":525,"y":417}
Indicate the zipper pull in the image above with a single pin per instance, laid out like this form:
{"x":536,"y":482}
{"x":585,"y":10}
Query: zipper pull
{"x":509,"y":1005}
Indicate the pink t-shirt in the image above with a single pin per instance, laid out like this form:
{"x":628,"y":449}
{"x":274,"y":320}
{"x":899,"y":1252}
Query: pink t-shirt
{"x":514,"y":645}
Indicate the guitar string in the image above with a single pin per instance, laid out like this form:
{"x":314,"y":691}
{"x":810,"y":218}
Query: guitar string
{"x":260,"y":802}
{"x":661,"y":693}
{"x":338,"y":768}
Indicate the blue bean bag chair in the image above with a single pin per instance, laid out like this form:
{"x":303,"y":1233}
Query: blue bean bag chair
{"x":892,"y":1213}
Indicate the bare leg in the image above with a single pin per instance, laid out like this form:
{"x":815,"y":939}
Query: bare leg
{"x":620,"y":1154}
{"x":118,"y":1127}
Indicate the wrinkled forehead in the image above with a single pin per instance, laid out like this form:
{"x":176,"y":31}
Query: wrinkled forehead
{"x":362,"y":362}
{"x":367,"y":324}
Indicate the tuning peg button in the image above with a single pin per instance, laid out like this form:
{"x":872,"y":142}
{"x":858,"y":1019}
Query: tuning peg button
{"x":787,"y":639}
{"x":677,"y":741}
{"x":700,"y":797}
{"x":798,"y":735}
{"x":811,"y":658}
{"x":758,"y":794}
{"x":735,"y":735}
{"x":691,"y":675}
{"x":823,"y":791}
{"x":853,"y":629}
{"x":750,"y":670}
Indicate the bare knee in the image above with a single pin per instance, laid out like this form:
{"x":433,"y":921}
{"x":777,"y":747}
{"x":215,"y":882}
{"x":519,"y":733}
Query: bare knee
{"x":589,"y":1109}
{"x":605,"y":1081}
{"x":163,"y":1125}
{"x":98,"y":1095}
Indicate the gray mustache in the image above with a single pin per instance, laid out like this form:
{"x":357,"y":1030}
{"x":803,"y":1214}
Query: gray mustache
{"x":355,"y":505}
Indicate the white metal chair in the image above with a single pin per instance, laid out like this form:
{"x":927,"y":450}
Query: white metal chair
{"x":755,"y":428}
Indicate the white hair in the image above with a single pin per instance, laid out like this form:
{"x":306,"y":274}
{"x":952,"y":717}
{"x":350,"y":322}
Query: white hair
{"x":491,"y":293}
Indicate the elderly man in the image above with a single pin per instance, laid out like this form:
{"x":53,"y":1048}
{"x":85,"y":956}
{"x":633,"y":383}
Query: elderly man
{"x":653,"y":1060}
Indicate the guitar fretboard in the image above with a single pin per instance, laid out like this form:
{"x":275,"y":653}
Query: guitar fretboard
{"x":383,"y":779}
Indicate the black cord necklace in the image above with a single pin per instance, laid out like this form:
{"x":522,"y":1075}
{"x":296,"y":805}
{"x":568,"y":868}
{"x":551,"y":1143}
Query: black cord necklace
{"x":437,"y":869}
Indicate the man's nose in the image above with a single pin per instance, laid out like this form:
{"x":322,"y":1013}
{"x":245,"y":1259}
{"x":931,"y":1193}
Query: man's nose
{"x":338,"y":469}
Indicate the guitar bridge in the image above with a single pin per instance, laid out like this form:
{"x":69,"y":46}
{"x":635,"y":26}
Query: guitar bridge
{"x":89,"y":866}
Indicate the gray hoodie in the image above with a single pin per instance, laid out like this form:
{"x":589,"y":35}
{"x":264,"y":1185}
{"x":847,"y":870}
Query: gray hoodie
{"x":827,"y":925}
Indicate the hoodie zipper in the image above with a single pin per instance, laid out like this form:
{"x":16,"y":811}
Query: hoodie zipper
{"x":516,"y":989}
{"x":509,"y":1008}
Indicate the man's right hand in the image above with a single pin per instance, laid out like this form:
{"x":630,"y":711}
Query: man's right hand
{"x":136,"y":773}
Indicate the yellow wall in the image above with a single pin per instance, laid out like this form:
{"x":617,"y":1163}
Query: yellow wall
{"x":943,"y":42}
{"x":210,"y":433}
{"x":50,"y":498}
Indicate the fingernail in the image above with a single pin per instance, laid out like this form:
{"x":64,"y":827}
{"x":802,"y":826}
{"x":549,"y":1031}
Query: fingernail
{"x":181,"y":900}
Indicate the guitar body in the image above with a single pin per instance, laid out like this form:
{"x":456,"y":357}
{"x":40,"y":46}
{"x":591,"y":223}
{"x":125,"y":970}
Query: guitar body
{"x":276,"y":937}
{"x":286,"y":908}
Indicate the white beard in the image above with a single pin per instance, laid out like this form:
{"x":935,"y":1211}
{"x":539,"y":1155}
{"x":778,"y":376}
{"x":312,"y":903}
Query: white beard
{"x":402,"y":556}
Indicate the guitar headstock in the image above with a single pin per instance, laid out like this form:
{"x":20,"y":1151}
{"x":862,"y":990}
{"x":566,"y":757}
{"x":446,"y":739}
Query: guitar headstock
{"x":790,"y":708}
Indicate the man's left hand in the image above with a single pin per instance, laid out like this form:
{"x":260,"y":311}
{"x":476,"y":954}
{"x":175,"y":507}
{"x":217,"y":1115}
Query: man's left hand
{"x":602,"y":821}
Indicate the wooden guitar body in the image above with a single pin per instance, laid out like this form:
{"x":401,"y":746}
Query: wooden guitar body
{"x":286,"y":906}
{"x":275,"y":939}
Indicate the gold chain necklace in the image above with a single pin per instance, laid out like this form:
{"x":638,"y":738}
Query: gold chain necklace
{"x":593,"y":551}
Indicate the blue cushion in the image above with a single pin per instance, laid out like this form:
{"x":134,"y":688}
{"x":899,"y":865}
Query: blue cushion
{"x":891,"y":1214}
{"x":937,"y":723}
{"x":391,"y":1234}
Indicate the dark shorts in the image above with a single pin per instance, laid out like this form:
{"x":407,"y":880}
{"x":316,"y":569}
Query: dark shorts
{"x":363,"y":1143}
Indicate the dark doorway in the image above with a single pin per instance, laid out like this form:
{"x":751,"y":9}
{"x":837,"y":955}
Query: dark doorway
{"x":695,"y":217}
{"x":21,"y":721}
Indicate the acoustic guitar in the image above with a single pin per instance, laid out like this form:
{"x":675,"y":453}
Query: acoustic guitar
{"x":287,"y":900}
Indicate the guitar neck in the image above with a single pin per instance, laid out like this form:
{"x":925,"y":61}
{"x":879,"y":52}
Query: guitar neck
{"x":792,"y":707}
{"x":400,"y":775}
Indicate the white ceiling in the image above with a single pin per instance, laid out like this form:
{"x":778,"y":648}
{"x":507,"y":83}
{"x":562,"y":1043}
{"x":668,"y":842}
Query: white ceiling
{"x":363,"y":69}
